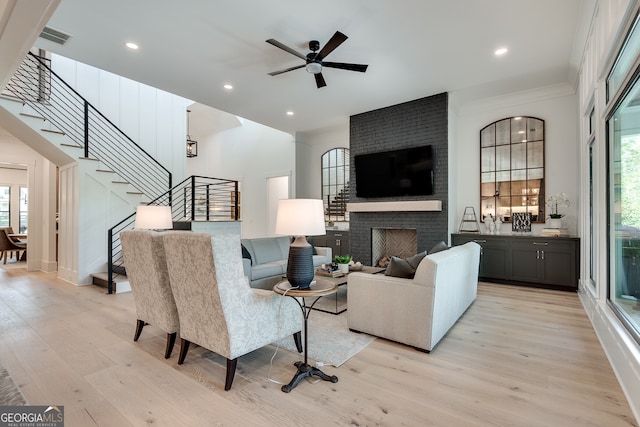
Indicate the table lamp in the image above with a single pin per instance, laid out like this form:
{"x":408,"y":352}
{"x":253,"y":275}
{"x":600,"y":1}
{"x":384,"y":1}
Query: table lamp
{"x":151,"y":217}
{"x":300,"y":218}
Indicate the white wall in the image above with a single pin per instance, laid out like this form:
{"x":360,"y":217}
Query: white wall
{"x":152,"y":118}
{"x":310,"y":148}
{"x":555,"y":105}
{"x":234,"y":148}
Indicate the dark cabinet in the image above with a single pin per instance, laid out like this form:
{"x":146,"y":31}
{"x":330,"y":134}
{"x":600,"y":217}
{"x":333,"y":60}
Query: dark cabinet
{"x":337,"y":240}
{"x":547,"y":261}
{"x":527,"y":260}
{"x":493,"y":254}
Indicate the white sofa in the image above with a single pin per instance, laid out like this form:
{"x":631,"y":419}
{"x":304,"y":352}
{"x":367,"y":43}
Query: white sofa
{"x":419,"y":311}
{"x":265,"y":260}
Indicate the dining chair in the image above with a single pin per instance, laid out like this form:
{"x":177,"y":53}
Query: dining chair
{"x":8,"y":246}
{"x":218,"y":309}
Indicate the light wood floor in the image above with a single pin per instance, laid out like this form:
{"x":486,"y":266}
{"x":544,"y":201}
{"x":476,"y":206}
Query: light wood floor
{"x":518,"y":357}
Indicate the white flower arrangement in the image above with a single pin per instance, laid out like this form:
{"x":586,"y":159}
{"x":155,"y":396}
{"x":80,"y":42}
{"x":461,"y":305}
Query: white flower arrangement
{"x":559,"y":200}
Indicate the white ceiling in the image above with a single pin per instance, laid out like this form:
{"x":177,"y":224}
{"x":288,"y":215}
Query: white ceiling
{"x":414,"y":48}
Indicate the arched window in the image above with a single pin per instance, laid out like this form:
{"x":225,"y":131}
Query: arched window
{"x":335,"y":184}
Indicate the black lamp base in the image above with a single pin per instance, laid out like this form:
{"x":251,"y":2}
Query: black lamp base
{"x":300,"y":263}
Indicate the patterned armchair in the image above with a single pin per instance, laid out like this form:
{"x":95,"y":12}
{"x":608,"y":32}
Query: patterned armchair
{"x":218,"y":309}
{"x":146,"y":267}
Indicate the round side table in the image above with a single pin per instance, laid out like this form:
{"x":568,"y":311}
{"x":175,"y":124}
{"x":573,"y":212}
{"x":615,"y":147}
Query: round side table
{"x":318,"y":289}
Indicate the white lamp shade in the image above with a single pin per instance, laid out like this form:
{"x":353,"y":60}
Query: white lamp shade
{"x":300,"y":217}
{"x":153,"y":217}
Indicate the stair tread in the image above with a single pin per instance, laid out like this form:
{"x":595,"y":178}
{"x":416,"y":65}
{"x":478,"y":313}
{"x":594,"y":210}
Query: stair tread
{"x":33,"y":116}
{"x":53,"y":131}
{"x":105,"y":170}
{"x":89,"y":158}
{"x":11,"y":98}
{"x":71,"y":145}
{"x":105,"y":276}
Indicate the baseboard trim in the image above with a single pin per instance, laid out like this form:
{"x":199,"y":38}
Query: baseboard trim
{"x":621,"y":349}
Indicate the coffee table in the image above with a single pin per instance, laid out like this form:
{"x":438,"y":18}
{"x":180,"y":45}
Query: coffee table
{"x":342,"y":281}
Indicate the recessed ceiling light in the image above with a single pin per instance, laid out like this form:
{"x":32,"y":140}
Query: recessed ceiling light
{"x":289,"y":113}
{"x":501,"y":51}
{"x":131,"y":45}
{"x":228,"y":86}
{"x":521,"y":131}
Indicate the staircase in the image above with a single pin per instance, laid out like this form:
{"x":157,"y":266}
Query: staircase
{"x":338,"y":206}
{"x":76,"y":131}
{"x":58,"y":109}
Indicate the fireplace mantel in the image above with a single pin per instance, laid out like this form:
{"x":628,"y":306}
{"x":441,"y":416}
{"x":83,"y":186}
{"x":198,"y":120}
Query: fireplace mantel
{"x":404,"y":206}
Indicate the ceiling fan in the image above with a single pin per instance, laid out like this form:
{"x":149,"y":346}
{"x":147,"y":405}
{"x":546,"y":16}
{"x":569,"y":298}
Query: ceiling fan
{"x":314,"y":60}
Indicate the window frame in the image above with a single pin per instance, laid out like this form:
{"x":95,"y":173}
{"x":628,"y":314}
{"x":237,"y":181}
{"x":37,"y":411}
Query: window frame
{"x":8,"y":212}
{"x":334,"y":182}
{"x":629,"y":83}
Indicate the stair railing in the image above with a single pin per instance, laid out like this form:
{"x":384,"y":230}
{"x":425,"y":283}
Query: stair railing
{"x":39,"y":87}
{"x":197,"y":198}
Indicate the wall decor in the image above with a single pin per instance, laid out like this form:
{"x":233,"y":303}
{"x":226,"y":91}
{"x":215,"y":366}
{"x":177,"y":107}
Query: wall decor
{"x":521,"y":222}
{"x":512,"y":168}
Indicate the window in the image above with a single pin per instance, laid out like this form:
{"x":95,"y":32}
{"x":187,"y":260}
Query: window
{"x":624,"y":61}
{"x":5,"y":203}
{"x":592,"y":218}
{"x":335,"y":184}
{"x":24,"y":212}
{"x":623,"y":144}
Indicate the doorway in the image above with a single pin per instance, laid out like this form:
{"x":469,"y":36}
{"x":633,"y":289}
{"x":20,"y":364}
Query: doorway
{"x":277,"y":189}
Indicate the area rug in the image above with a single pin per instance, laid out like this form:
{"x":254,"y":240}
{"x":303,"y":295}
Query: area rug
{"x":330,"y":340}
{"x":10,"y":394}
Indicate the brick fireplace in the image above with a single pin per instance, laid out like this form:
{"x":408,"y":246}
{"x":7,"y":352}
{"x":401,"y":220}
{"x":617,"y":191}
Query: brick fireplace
{"x":411,"y":124}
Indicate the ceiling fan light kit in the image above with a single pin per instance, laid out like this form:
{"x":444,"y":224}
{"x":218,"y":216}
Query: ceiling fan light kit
{"x":314,"y":60}
{"x":314,"y":68}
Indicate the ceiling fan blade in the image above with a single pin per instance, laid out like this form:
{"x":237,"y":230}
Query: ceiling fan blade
{"x":344,"y":66}
{"x":276,"y":43}
{"x":336,"y":40}
{"x":275,"y":73}
{"x":320,"y":80}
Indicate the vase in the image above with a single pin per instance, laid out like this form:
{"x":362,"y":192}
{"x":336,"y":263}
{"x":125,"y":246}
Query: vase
{"x":344,"y":268}
{"x":555,"y":222}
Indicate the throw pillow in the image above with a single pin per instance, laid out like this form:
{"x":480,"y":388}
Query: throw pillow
{"x":414,"y":260}
{"x":440,"y":246}
{"x":246,"y":254}
{"x":399,"y":267}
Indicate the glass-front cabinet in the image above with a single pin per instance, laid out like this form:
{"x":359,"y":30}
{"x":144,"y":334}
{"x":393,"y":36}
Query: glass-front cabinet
{"x":512,"y":168}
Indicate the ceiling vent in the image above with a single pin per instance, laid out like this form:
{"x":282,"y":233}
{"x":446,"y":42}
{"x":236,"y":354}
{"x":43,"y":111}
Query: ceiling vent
{"x":54,"y":35}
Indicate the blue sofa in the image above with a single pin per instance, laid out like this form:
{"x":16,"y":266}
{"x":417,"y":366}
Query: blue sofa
{"x":265,"y":259}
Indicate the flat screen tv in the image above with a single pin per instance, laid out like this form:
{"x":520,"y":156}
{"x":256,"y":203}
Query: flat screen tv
{"x":405,"y":172}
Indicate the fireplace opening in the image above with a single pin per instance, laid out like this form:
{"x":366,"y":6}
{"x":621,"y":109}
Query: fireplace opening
{"x":388,"y":242}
